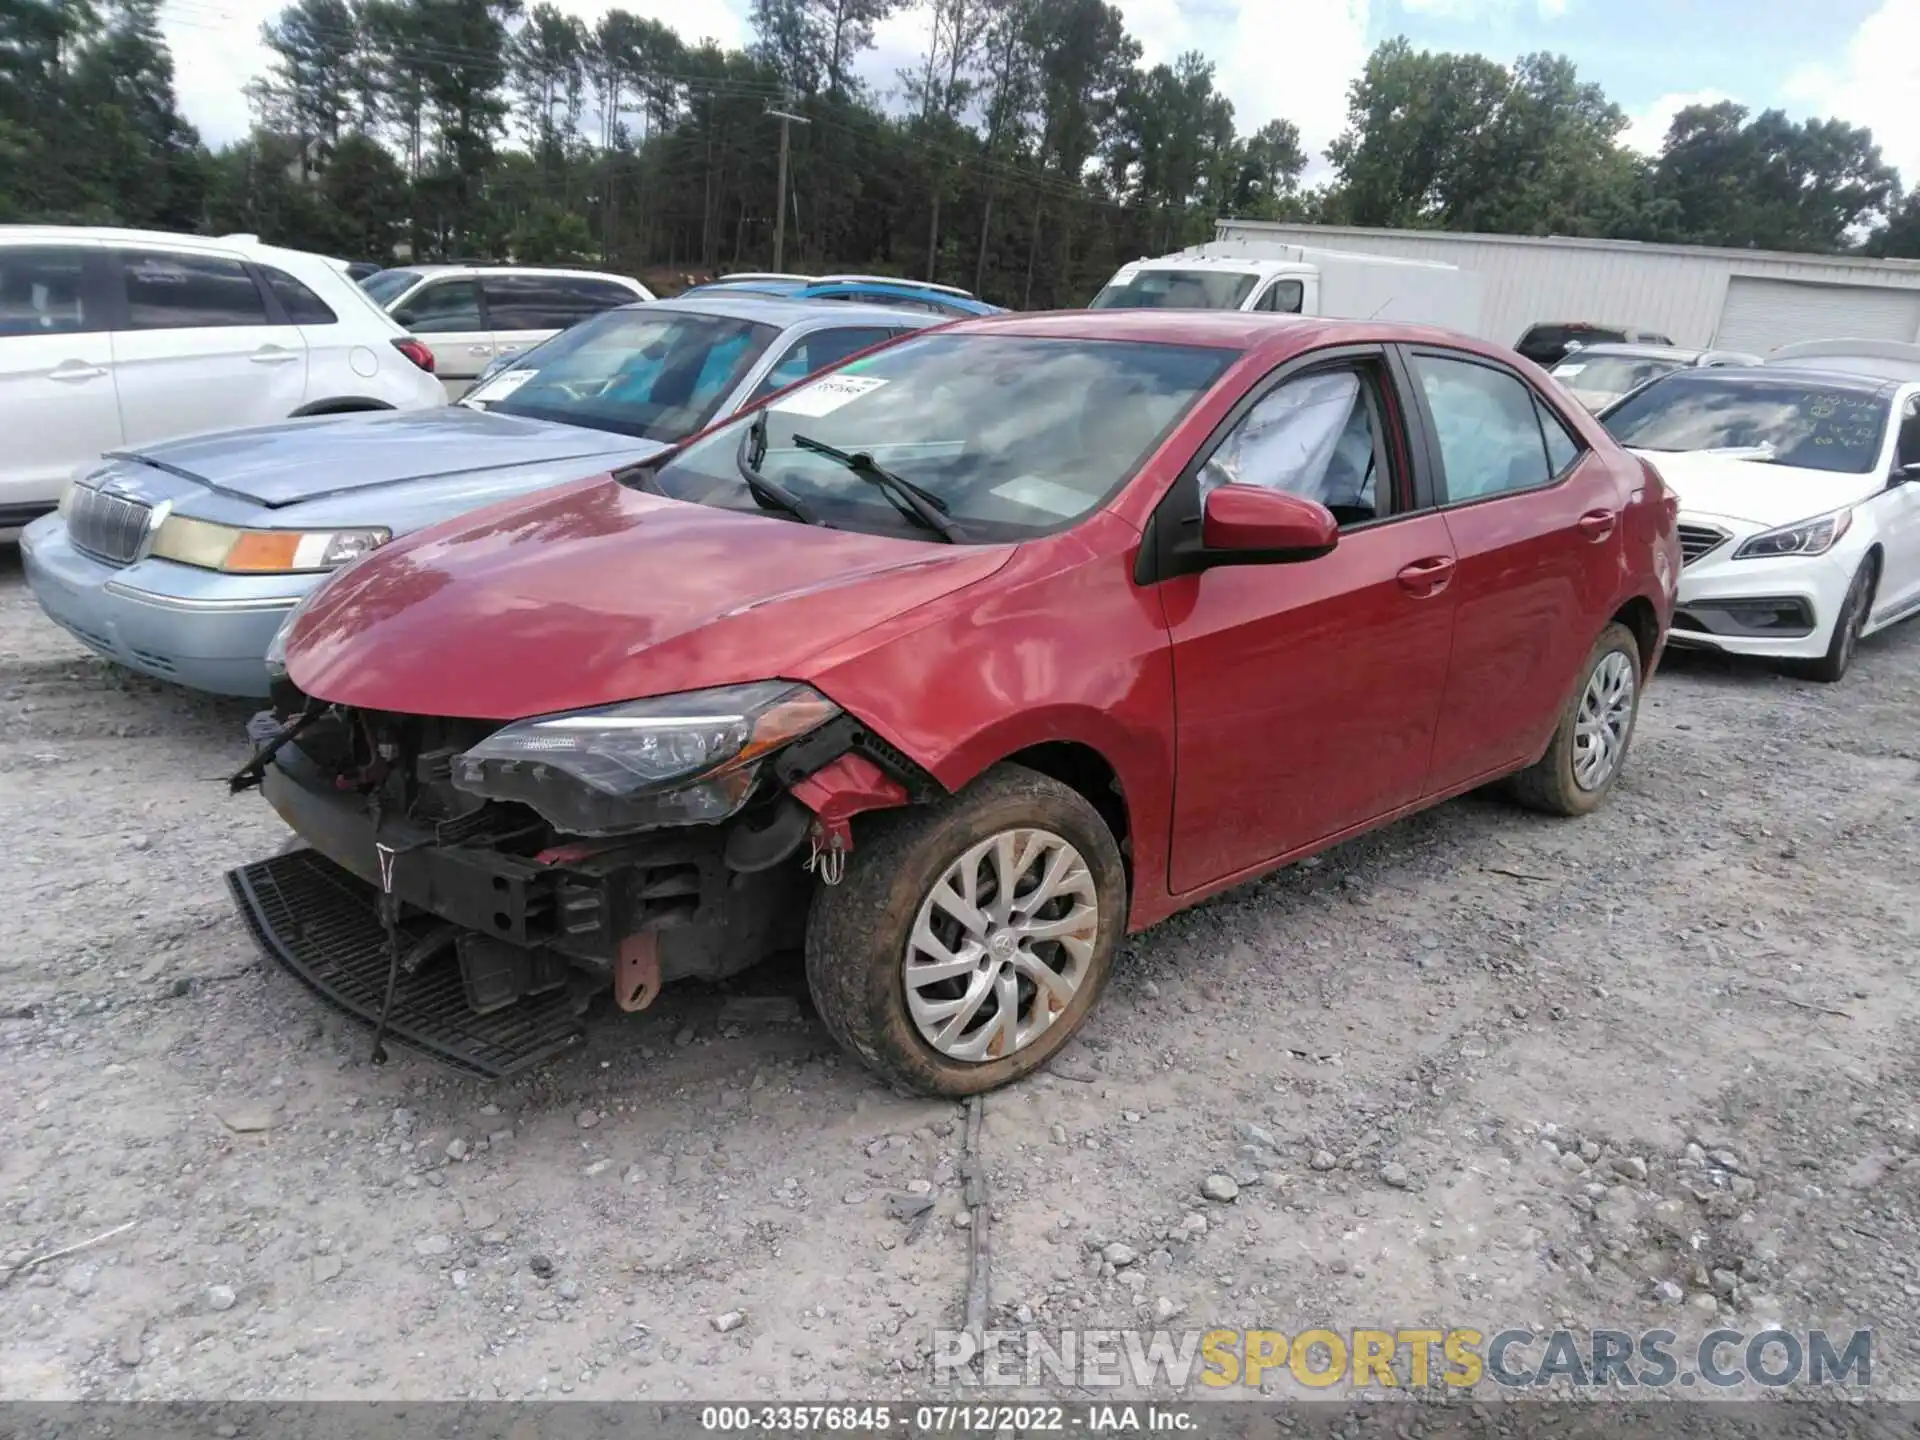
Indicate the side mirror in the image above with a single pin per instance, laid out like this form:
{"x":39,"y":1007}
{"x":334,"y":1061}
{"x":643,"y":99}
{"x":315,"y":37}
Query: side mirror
{"x":1907,"y":474}
{"x":1246,"y":524}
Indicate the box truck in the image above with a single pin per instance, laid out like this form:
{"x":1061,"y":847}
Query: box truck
{"x":1299,"y":280}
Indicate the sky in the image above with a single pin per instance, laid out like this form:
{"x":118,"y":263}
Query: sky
{"x":1858,"y":60}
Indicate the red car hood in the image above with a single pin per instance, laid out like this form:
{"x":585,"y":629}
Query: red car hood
{"x":603,"y":593}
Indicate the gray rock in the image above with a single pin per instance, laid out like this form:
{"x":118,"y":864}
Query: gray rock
{"x":1705,"y":1304}
{"x":220,"y":1297}
{"x":1254,"y":1135}
{"x":1743,"y":1188}
{"x":1058,"y":1133}
{"x":1725,"y":1282}
{"x":458,"y":1149}
{"x":1725,"y":1159}
{"x":129,"y":1346}
{"x":1668,"y":1293}
{"x":403,"y":1120}
{"x":428,"y":1246}
{"x":1395,"y":1174}
{"x":1119,"y":1255}
{"x":1631,"y":1166}
{"x":1165,"y":1309}
{"x":856,"y":1197}
{"x":730,"y":1321}
{"x":1221,"y":1188}
{"x":248,"y":1119}
{"x":1589,"y":1151}
{"x":1322,"y":1160}
{"x":568,"y":1289}
{"x":78,"y":1281}
{"x":1571,"y":1162}
{"x":587,"y":1119}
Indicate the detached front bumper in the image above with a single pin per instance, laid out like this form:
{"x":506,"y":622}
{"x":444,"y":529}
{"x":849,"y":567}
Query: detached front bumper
{"x":172,"y":622}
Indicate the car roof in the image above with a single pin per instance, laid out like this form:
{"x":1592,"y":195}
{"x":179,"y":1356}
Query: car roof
{"x":920,"y":294}
{"x":453,"y":267}
{"x":1273,"y":335}
{"x":1784,"y":375}
{"x":791,"y":314}
{"x":1632,"y":351}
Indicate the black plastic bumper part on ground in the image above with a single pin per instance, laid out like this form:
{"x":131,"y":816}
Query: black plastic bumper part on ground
{"x":323,"y":925}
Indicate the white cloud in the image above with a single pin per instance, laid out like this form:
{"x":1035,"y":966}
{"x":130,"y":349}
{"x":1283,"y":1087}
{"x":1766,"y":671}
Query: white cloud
{"x":1274,"y":59}
{"x":1647,"y":127}
{"x":1874,"y":85}
{"x":1475,"y":11}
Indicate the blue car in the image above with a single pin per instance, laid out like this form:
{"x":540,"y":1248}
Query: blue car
{"x":180,"y":559}
{"x":949,"y":301}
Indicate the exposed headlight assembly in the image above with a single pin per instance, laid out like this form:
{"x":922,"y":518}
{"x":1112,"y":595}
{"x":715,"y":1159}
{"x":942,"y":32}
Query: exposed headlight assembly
{"x":1807,"y":537}
{"x":277,"y":646}
{"x":261,"y":552}
{"x":688,"y":759}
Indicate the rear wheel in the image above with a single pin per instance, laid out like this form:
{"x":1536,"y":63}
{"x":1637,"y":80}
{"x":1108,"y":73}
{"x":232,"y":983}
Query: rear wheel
{"x":968,"y":941}
{"x":1590,"y":743}
{"x":1847,"y":628}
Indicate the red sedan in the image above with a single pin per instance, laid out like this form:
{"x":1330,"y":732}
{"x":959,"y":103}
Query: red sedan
{"x":948,"y":668}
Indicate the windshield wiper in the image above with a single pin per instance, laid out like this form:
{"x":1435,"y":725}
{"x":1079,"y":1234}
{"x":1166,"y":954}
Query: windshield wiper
{"x":912,"y":501}
{"x":768,"y":494}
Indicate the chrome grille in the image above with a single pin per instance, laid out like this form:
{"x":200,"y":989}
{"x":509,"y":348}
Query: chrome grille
{"x":107,"y":527}
{"x":1698,"y":540}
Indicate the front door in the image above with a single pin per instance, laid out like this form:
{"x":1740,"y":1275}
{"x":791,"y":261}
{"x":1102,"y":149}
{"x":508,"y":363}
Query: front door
{"x":1536,"y":521}
{"x":1898,"y":519}
{"x":1306,"y":693}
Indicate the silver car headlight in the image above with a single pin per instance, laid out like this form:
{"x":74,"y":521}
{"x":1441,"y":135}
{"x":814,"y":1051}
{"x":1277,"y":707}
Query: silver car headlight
{"x":1805,"y":537}
{"x":684,"y":759}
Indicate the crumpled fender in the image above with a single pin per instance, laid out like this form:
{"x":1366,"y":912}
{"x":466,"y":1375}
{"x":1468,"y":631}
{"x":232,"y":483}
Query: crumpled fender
{"x":840,"y":790}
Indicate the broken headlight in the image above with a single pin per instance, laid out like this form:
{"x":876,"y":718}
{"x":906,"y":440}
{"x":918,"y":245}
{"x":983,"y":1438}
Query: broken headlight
{"x":687,"y":759}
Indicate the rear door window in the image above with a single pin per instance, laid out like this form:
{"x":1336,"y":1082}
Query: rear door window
{"x":169,"y":291}
{"x":817,"y":351}
{"x":42,"y":292}
{"x":1488,"y":427}
{"x":303,"y":307}
{"x":442,"y":307}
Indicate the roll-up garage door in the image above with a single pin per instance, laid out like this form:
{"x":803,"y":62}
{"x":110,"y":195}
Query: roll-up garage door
{"x":1760,"y":314}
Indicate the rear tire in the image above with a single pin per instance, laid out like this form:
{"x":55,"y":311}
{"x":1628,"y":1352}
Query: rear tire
{"x":1831,"y":667}
{"x":1590,"y":743}
{"x":877,"y":943}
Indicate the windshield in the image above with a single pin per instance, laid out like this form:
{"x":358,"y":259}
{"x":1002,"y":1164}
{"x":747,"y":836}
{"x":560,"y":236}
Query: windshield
{"x":1013,"y":436}
{"x":1177,"y":290}
{"x":656,"y":374}
{"x":1611,"y":374}
{"x":1813,"y":427}
{"x":389,"y":285}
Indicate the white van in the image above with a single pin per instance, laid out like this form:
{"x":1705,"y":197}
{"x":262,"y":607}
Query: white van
{"x":1299,"y":280}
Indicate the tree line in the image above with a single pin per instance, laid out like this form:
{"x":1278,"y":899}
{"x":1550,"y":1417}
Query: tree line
{"x":1025,"y":152}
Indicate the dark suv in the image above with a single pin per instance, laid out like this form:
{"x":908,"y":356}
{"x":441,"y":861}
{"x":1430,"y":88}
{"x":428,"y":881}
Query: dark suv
{"x":1547,"y":343}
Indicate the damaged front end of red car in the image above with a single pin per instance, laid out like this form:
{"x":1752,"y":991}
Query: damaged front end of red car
{"x":472,"y":887}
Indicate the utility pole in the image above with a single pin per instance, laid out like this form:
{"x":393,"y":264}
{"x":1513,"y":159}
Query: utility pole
{"x":786,"y":118}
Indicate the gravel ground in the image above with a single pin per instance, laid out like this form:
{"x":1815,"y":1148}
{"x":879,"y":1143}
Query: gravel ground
{"x":1483,"y":1068}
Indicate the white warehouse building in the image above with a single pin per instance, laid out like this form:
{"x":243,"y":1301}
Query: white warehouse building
{"x":1749,"y":300}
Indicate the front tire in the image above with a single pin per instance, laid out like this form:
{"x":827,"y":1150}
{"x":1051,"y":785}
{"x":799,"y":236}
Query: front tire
{"x":1590,"y":743}
{"x":1847,"y":628}
{"x":969,"y":940}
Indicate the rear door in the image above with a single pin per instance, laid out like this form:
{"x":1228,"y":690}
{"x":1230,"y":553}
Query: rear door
{"x":1535,"y":519}
{"x":446,"y":314}
{"x":1306,"y":694}
{"x":524,"y":310}
{"x":57,"y":403}
{"x":1898,"y":516}
{"x":198,"y":347}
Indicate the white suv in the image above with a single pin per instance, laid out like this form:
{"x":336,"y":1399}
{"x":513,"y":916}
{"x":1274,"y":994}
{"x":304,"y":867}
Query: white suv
{"x":115,"y":338}
{"x":471,"y":315}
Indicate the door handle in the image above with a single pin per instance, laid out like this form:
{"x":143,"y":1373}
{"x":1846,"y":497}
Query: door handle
{"x":1597,"y":525}
{"x":479,"y":349}
{"x":273,"y":355}
{"x":72,"y":371}
{"x":509,"y":349}
{"x":1427,"y":577}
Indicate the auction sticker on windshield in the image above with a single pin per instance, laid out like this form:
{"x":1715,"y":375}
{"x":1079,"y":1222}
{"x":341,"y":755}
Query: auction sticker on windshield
{"x":503,"y":385}
{"x":823,"y":397}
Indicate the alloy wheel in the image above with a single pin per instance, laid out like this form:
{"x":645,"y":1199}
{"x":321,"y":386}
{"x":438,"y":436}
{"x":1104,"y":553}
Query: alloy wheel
{"x":1001,"y":945}
{"x":1605,"y":716}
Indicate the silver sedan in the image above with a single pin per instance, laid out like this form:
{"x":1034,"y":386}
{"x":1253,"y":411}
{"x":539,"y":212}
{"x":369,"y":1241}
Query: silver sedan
{"x":179,"y":560}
